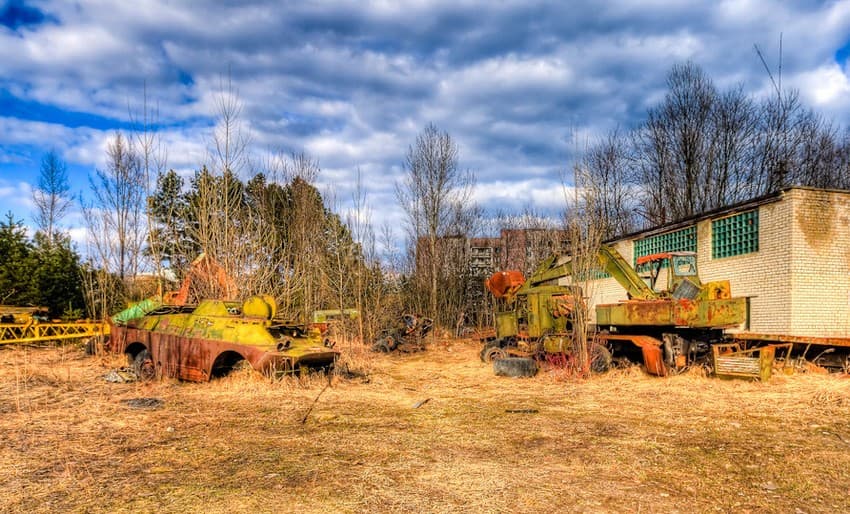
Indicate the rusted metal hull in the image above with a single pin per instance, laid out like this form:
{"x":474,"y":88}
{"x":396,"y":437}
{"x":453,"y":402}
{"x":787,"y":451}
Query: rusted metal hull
{"x":194,"y":358}
{"x":197,"y":343}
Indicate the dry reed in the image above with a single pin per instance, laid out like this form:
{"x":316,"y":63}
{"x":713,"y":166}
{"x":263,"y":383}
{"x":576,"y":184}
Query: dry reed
{"x":623,"y":441}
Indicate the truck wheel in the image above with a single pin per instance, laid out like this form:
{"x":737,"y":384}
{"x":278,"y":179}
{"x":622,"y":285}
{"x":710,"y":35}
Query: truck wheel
{"x":600,"y":358}
{"x":144,"y":367}
{"x":515,"y":367}
{"x":493,"y":353}
{"x":487,"y":347}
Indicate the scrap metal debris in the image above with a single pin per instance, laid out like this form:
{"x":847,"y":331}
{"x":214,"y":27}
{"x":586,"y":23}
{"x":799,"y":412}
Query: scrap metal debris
{"x":407,"y":336}
{"x":121,"y":376}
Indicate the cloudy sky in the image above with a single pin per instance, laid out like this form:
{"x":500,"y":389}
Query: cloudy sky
{"x":520,"y":85}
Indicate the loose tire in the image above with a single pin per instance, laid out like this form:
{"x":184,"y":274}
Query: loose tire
{"x":487,"y":347}
{"x":515,"y":367}
{"x":493,"y":353}
{"x":144,"y":367}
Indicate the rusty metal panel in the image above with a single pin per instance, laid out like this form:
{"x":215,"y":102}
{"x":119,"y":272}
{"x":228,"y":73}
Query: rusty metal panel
{"x":653,"y":357}
{"x":710,"y":313}
{"x":636,"y":313}
{"x":506,"y":324}
{"x":731,"y":360}
{"x":674,"y":313}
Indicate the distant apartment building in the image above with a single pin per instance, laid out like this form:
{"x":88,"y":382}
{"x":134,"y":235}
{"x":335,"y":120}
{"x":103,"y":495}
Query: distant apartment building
{"x":514,"y":249}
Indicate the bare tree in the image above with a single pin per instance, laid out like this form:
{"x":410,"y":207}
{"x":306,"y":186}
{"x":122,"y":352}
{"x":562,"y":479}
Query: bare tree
{"x":115,"y":219}
{"x":435,"y":194}
{"x":153,"y":159}
{"x":585,"y":231}
{"x":51,"y":197}
{"x":673,"y":148}
{"x":221,"y":222}
{"x":359,"y":224}
{"x":605,"y":175}
{"x":701,"y":149}
{"x":290,"y":233}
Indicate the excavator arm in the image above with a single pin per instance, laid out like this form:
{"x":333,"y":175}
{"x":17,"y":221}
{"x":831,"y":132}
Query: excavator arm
{"x":507,"y":284}
{"x":203,"y":268}
{"x":615,"y":265}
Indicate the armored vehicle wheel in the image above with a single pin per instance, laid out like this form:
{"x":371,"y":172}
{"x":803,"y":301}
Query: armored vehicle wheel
{"x":515,"y":367}
{"x":492,"y":353}
{"x":600,"y":358}
{"x":144,"y":367}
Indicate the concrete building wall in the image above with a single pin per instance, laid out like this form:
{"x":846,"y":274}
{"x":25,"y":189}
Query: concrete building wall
{"x":763,"y":276}
{"x":608,"y":290}
{"x":820,"y":263}
{"x":798,"y":281}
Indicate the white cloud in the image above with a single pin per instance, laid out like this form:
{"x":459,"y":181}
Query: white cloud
{"x":16,"y":196}
{"x":827,"y":88}
{"x":353,"y":83}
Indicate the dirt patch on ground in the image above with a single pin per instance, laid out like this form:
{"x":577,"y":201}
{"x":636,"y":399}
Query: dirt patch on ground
{"x":619,"y":442}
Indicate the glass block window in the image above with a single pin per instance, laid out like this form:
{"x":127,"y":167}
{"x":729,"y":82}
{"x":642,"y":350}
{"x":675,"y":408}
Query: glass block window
{"x":735,"y":235}
{"x":684,"y":240}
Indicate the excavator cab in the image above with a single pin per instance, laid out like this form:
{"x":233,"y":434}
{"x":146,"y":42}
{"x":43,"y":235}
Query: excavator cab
{"x":681,"y":279}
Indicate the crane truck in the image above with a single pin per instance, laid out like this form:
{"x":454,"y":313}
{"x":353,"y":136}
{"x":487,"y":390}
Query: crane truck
{"x":671,"y":317}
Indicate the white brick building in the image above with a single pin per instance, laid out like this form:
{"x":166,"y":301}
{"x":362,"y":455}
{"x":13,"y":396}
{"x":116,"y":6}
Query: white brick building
{"x":788,"y":252}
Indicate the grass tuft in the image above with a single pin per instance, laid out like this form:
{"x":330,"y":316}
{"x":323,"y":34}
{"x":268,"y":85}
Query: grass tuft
{"x":433,"y":431}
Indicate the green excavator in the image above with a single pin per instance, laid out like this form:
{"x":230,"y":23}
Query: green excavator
{"x":670,"y":315}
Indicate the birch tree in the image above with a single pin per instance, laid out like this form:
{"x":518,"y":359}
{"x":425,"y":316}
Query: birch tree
{"x":435,"y":194}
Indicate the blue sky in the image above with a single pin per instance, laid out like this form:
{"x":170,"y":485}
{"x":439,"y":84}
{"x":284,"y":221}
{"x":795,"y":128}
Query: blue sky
{"x":521,"y":85}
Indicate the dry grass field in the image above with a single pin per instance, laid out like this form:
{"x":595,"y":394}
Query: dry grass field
{"x":620,"y":442}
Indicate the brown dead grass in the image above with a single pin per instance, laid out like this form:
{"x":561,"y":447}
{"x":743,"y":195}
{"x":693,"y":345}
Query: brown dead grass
{"x":621,"y":442}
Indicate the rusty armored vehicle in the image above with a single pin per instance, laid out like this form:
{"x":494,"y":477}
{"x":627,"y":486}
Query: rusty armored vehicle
{"x":205,"y":341}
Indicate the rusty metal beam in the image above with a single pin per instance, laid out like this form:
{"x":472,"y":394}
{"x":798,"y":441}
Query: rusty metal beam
{"x":37,"y":332}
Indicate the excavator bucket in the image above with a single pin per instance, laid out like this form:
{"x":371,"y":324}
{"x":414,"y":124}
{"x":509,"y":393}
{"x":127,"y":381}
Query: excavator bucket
{"x":504,"y":283}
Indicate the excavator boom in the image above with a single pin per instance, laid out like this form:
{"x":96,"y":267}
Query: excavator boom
{"x":615,"y":265}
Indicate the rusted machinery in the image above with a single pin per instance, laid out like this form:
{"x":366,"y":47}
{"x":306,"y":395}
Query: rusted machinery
{"x":671,"y":318}
{"x":201,"y":342}
{"x":27,"y":325}
{"x":407,"y":336}
{"x":326,"y":320}
{"x":203,"y":269}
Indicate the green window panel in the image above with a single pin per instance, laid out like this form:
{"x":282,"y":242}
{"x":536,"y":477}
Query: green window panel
{"x":735,"y":235}
{"x":684,"y":240}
